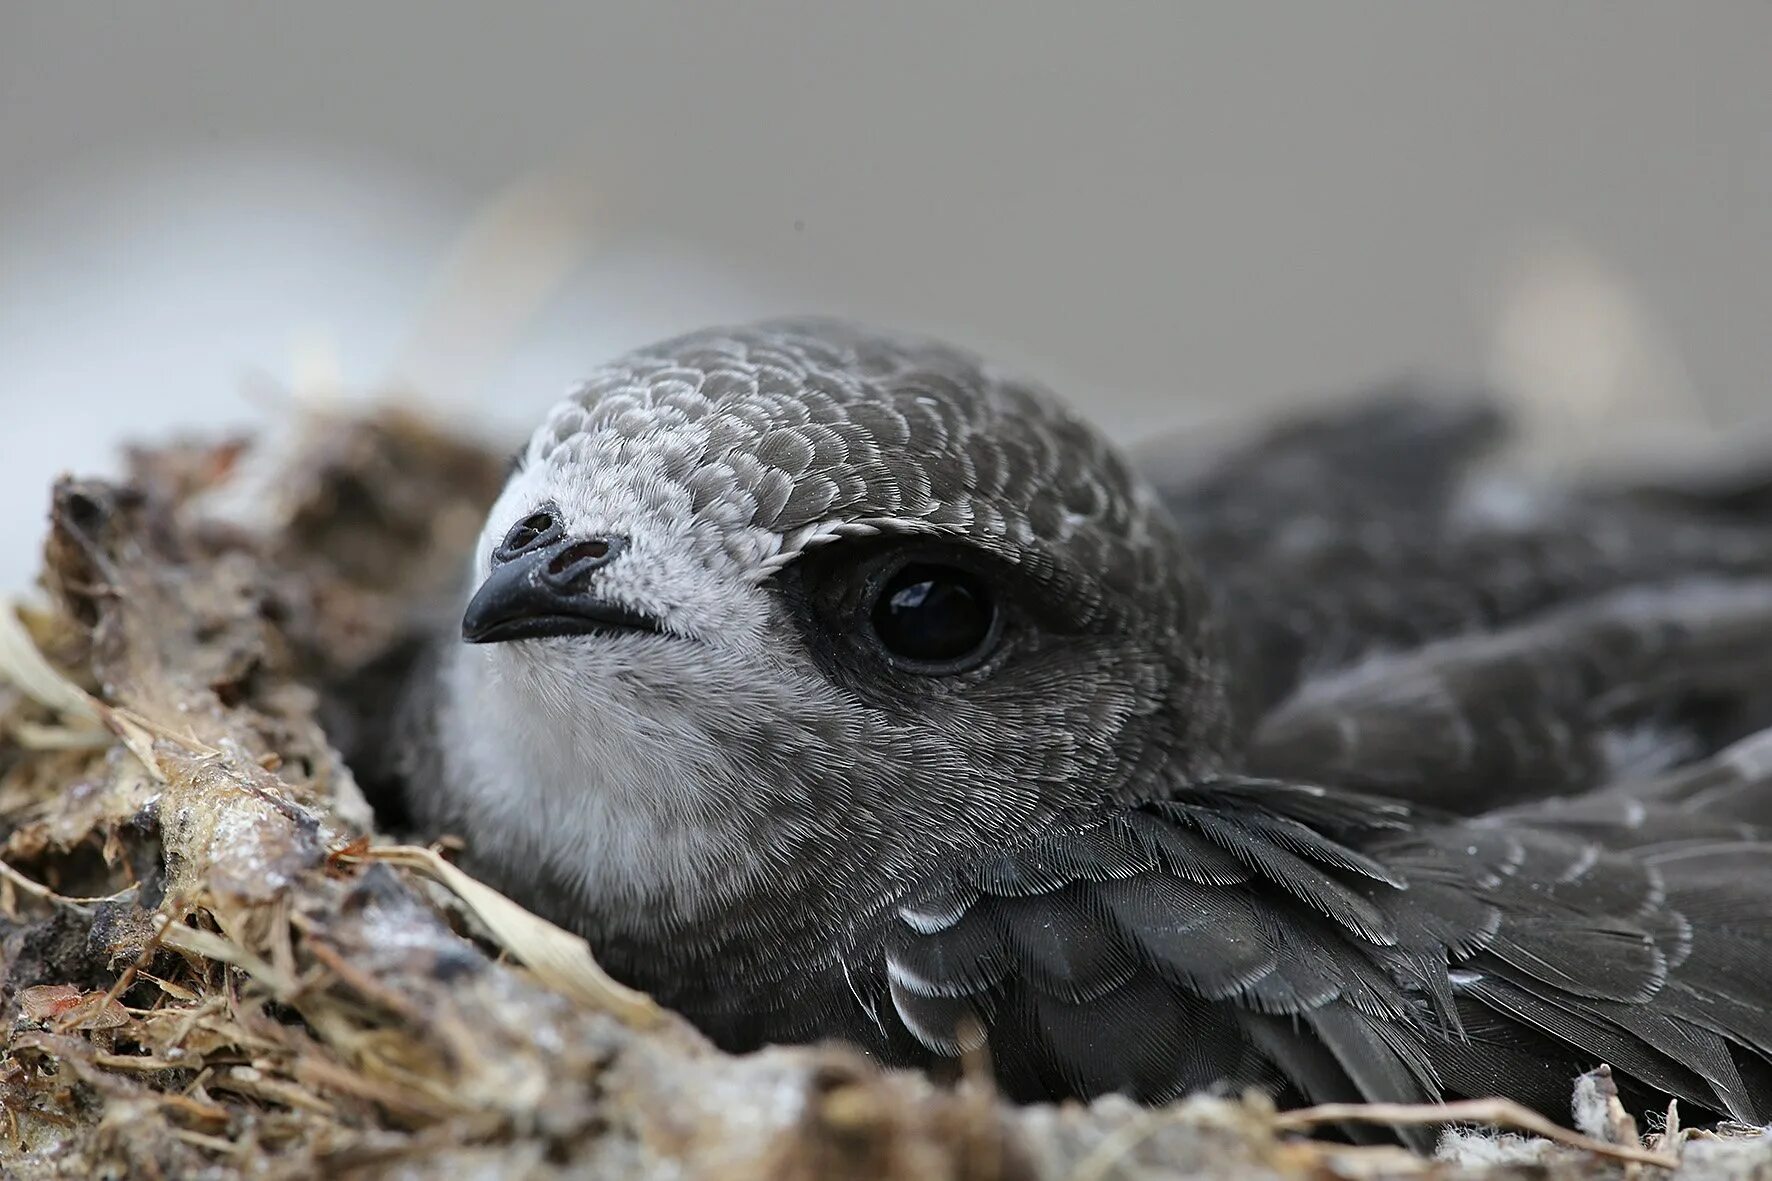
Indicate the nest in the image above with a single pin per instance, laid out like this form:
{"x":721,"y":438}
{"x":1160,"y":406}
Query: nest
{"x":213,"y":966}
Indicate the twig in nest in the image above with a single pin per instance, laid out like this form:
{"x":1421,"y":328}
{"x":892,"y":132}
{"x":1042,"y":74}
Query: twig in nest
{"x":562,"y":960}
{"x":1501,"y":1113}
{"x":224,"y":950}
{"x":35,"y":736}
{"x":249,"y":1080}
{"x":213,"y":1143}
{"x":25,"y":666}
{"x":408,"y":1102}
{"x":365,"y":984}
{"x":1114,"y":1148}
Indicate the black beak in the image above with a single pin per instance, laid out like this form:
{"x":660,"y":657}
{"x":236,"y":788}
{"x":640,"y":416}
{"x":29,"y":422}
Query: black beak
{"x":549,"y":590}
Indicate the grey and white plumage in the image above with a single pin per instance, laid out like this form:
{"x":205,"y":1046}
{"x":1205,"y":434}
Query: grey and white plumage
{"x":1192,"y":818}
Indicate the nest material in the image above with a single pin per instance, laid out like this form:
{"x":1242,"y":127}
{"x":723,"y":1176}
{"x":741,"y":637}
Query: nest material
{"x":212,"y":967}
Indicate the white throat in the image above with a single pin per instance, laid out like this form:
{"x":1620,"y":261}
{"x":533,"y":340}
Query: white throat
{"x":581,"y":779}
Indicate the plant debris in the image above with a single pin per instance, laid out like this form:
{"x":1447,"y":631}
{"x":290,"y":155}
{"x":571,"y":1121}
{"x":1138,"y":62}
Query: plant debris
{"x":213,"y":966}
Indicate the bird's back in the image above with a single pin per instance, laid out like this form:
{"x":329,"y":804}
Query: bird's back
{"x":1407,"y":620}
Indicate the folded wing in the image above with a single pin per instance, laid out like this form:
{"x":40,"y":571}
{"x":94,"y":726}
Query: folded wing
{"x":1331,"y":946}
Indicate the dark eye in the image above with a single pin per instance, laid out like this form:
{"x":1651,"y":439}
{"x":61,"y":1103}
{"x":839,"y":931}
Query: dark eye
{"x":935,"y":619}
{"x":537,"y":528}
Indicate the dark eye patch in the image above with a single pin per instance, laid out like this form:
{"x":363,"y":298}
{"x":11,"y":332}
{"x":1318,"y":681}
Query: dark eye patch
{"x":920,"y":606}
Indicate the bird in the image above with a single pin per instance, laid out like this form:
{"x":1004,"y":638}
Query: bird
{"x":837,"y":684}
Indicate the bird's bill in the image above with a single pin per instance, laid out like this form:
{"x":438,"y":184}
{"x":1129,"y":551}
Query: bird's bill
{"x":518,"y":602}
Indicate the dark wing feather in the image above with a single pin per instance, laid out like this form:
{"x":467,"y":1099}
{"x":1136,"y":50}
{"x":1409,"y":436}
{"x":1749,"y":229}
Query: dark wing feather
{"x":1481,"y":721}
{"x":1184,"y":1046}
{"x":970,"y":958}
{"x":1143,"y":981}
{"x":1255,"y":845}
{"x":1631,"y":932}
{"x":1397,"y":452}
{"x":1058,"y":949}
{"x":1732,"y":481}
{"x":1375,"y":958}
{"x":1357,"y":530}
{"x":1209,"y":941}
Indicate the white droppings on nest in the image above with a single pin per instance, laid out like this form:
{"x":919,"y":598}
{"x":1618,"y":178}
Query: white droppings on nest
{"x":238,"y":834}
{"x":1591,"y":1105}
{"x":1482,"y":1148}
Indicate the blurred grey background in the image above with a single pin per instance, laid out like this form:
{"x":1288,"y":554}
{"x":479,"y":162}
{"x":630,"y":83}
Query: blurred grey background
{"x":1168,"y":211}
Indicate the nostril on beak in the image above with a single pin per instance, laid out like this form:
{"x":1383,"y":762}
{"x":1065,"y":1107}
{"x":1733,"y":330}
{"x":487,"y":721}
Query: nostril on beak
{"x":531,"y":533}
{"x":570,"y":568}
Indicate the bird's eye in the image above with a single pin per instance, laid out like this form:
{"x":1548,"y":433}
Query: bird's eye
{"x":536,"y":529}
{"x":934,"y":619}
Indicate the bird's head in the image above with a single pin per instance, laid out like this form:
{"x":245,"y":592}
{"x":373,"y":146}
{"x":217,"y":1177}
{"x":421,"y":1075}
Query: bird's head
{"x":797,"y":585}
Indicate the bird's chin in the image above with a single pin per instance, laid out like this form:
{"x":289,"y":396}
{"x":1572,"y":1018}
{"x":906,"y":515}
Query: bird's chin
{"x":566,"y":629}
{"x":530,"y":636}
{"x":578,"y":673}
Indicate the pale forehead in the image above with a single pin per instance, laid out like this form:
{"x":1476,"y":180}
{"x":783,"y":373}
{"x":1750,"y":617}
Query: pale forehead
{"x":791,"y":428}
